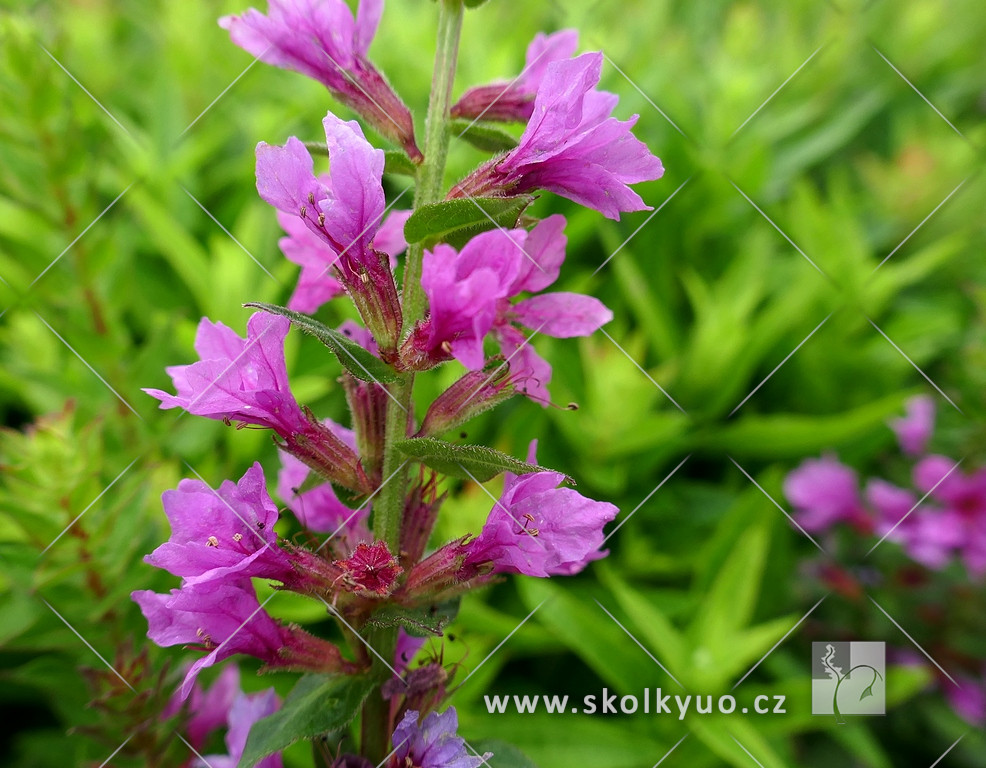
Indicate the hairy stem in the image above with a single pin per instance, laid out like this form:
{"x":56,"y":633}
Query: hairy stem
{"x":431,"y":172}
{"x":389,"y":503}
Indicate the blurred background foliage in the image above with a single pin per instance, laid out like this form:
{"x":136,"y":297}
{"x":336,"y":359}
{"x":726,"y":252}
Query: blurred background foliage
{"x":123,"y":222}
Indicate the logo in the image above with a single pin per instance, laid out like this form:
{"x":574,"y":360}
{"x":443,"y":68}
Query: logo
{"x":848,"y":679}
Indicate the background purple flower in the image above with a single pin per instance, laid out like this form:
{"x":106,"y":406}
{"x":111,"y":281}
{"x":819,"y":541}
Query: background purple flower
{"x":914,"y":429}
{"x":824,"y":492}
{"x":208,"y":708}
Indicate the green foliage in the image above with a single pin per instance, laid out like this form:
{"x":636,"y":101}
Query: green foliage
{"x":456,"y":221}
{"x":418,"y":621}
{"x":484,"y":136}
{"x":476,"y":462}
{"x":316,"y":705}
{"x":708,"y":299}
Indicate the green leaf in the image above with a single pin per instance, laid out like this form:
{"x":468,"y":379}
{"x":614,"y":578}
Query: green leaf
{"x":572,"y":616}
{"x":786,"y":435}
{"x":420,"y":621}
{"x":353,"y":357}
{"x":485,"y":136}
{"x":476,"y":462}
{"x":456,"y":221}
{"x":474,"y":3}
{"x":397,"y":162}
{"x":650,"y":622}
{"x":316,"y":705}
{"x":504,"y":755}
{"x":729,"y":603}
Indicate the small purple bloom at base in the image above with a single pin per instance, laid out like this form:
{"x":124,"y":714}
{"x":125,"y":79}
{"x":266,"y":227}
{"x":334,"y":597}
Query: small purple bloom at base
{"x":432,"y":743}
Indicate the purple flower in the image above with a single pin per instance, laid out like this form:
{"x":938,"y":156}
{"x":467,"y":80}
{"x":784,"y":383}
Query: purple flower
{"x":824,"y":492}
{"x":572,"y":146}
{"x":959,"y":527}
{"x":469,"y":296}
{"x":406,"y":649}
{"x":246,"y":380}
{"x":514,"y":101}
{"x":974,"y":552}
{"x":318,"y":508}
{"x":238,"y":379}
{"x":968,"y":699}
{"x":316,"y":285}
{"x":245,"y":710}
{"x":320,"y":39}
{"x":207,"y":708}
{"x":890,"y":503}
{"x":914,"y":430}
{"x":344,"y":213}
{"x":432,"y":743}
{"x":218,"y":534}
{"x":539,"y":529}
{"x":225,"y":618}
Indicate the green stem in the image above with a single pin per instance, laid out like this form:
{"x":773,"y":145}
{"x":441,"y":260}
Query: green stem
{"x":431,"y":173}
{"x":388,"y":506}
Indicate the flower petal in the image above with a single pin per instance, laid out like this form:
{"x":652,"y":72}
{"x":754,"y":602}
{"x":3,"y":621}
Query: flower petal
{"x":563,"y":315}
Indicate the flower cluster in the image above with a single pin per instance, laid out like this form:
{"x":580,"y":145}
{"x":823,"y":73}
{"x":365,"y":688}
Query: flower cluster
{"x":939,"y":523}
{"x":940,"y":519}
{"x":359,"y":537}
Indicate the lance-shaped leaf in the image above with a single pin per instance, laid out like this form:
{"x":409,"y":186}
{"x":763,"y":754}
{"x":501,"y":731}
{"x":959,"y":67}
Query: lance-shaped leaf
{"x":490,"y":138}
{"x":456,"y":221}
{"x":420,"y":620}
{"x":397,"y":162}
{"x":359,"y":362}
{"x":465,"y":461}
{"x":317,"y":704}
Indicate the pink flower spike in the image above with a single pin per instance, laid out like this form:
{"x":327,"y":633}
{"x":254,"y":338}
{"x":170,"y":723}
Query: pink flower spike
{"x":321,"y":39}
{"x":914,"y":430}
{"x":572,"y":147}
{"x":514,"y":100}
{"x":539,"y":529}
